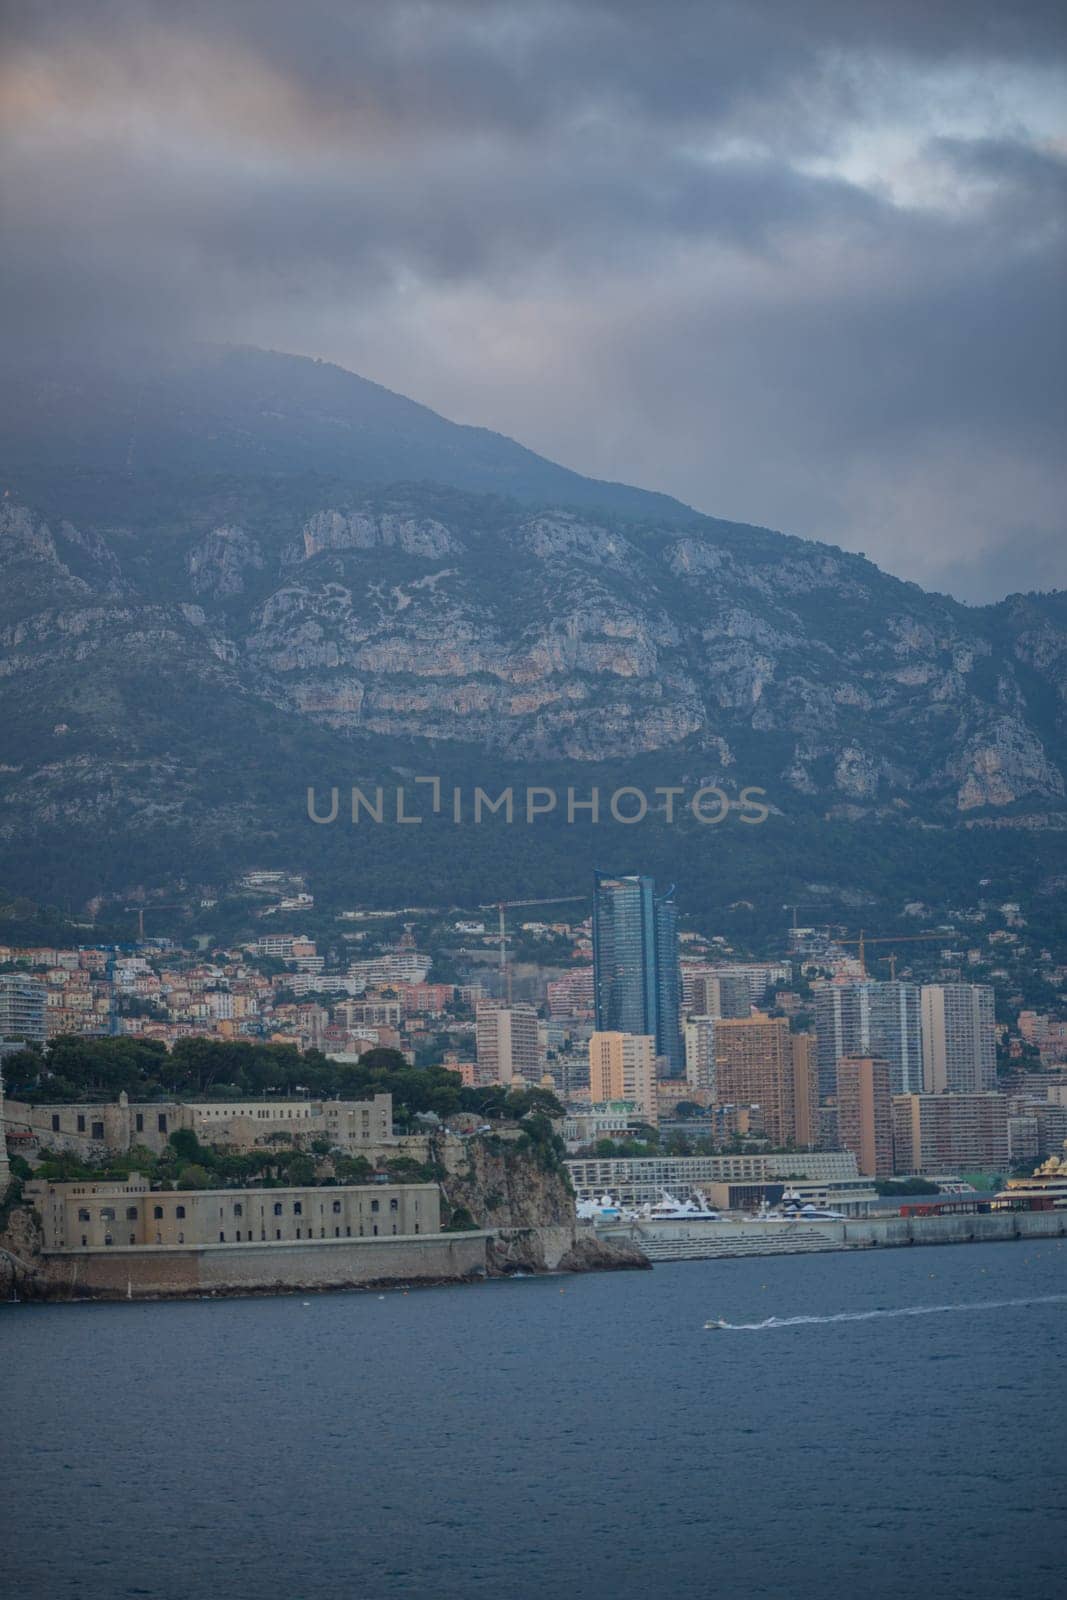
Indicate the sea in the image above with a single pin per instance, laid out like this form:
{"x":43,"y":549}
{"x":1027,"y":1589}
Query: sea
{"x":891,"y":1423}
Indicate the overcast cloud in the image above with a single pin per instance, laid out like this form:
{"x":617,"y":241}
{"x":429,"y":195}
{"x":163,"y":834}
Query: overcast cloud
{"x":797,"y":264}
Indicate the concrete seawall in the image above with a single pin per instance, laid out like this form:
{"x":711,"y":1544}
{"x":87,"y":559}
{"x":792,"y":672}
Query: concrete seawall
{"x":162,"y":1272}
{"x":682,"y":1241}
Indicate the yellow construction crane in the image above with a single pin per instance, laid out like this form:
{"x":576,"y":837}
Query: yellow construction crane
{"x":505,"y":905}
{"x":862,"y":941}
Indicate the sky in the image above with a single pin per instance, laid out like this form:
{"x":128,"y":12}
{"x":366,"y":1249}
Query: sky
{"x":798,"y":264}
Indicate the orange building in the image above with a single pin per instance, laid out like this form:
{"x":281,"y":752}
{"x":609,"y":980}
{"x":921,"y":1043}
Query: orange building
{"x":865,"y":1113}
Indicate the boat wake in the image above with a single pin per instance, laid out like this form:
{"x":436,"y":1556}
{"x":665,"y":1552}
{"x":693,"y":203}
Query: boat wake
{"x":896,"y":1311}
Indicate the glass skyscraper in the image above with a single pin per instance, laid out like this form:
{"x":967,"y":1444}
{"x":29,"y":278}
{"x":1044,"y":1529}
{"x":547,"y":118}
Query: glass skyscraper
{"x":635,"y":964}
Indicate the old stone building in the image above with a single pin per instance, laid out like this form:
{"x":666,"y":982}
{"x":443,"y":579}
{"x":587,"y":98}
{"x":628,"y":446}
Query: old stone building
{"x":355,"y":1126}
{"x":104,"y":1215}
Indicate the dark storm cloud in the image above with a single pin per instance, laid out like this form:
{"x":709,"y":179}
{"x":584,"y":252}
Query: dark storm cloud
{"x":800,"y":264}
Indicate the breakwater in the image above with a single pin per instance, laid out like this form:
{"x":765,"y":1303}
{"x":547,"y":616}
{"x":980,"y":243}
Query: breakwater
{"x":685,"y":1241}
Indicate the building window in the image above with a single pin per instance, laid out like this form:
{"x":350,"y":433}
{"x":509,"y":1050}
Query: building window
{"x":181,"y":1238}
{"x":277,"y":1208}
{"x":81,"y":1123}
{"x":416,"y":1227}
{"x":237,"y":1236}
{"x":98,"y":1130}
{"x":222,"y":1238}
{"x":277,"y":1233}
{"x":180,"y":1212}
{"x":55,"y":1122}
{"x":85,"y":1241}
{"x":107,"y":1214}
{"x":132,"y":1239}
{"x":348,"y":1232}
{"x":337,"y":1208}
{"x":374,"y":1230}
{"x":337,"y":1233}
{"x":238,"y":1210}
{"x":157,"y":1212}
{"x":298,"y":1233}
{"x":374,"y":1205}
{"x":159,"y":1238}
{"x":298,"y":1209}
{"x":83,"y":1215}
{"x":140,"y":1122}
{"x":394,"y":1205}
{"x":161,"y":1122}
{"x":108,"y":1239}
{"x":394,"y":1227}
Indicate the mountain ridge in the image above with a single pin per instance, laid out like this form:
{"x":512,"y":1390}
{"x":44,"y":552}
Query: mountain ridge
{"x":174,"y":637}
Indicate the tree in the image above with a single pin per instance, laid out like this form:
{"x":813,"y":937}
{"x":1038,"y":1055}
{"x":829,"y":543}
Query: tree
{"x":186,"y":1145}
{"x":194,"y":1177}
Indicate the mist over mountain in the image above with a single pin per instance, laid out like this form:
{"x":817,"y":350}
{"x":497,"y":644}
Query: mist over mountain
{"x":234,"y":575}
{"x":212,"y":409}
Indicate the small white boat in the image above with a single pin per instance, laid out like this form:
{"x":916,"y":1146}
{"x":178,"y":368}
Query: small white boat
{"x":716,"y":1322}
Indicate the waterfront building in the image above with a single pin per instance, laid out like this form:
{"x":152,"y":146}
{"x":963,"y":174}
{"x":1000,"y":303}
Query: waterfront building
{"x":635,"y":1180}
{"x":865,"y":1113}
{"x":23,"y":1001}
{"x":622,"y":1066}
{"x":508,"y":1044}
{"x":959,"y":1039}
{"x":637,"y":984}
{"x":91,"y":1216}
{"x":950,"y":1132}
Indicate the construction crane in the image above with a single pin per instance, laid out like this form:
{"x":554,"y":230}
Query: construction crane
{"x":154,"y":905}
{"x":505,"y":905}
{"x":862,"y":941}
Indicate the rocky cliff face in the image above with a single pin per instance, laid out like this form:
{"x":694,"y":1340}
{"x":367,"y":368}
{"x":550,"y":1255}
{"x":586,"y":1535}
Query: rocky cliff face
{"x":500,"y":1184}
{"x":425,"y":614}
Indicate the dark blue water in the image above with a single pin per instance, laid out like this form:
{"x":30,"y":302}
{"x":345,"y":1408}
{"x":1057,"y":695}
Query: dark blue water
{"x":579,"y":1436}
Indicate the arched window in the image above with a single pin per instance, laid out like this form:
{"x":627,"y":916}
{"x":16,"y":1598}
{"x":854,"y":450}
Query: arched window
{"x":337,"y":1208}
{"x":394,"y":1205}
{"x":298,"y":1208}
{"x":157,"y":1212}
{"x":238,"y":1209}
{"x":108,"y":1239}
{"x":277,"y":1208}
{"x":179,"y":1212}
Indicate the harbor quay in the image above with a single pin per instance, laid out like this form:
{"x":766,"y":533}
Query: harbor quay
{"x":729,"y":1237}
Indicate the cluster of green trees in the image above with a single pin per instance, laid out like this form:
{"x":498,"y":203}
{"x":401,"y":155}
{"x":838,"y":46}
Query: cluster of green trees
{"x":185,"y":1163}
{"x":77,"y":1069}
